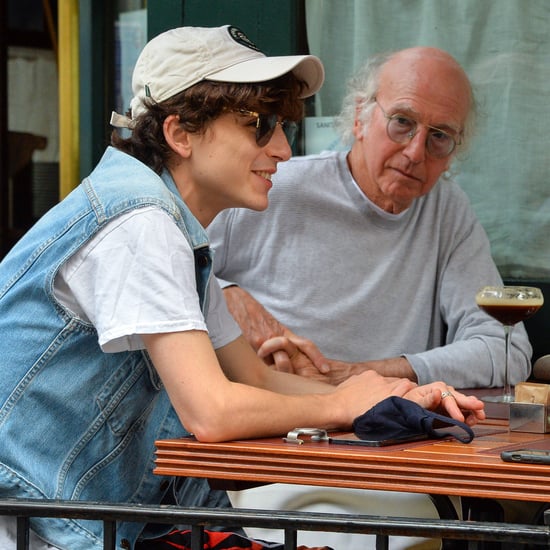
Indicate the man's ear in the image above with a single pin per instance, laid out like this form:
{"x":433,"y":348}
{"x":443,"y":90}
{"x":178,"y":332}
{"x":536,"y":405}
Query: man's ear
{"x":358,"y":124}
{"x":176,"y":137}
{"x":357,"y":128}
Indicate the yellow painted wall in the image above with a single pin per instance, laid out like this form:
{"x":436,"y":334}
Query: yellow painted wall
{"x":68,"y":96}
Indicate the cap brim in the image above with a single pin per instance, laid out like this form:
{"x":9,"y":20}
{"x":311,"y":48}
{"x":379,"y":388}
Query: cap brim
{"x":306,"y":67}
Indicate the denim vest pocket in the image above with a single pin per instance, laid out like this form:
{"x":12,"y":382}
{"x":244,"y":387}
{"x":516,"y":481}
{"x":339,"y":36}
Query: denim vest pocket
{"x":127,"y":394}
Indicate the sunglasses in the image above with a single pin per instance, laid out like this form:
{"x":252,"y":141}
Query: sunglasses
{"x":266,"y":124}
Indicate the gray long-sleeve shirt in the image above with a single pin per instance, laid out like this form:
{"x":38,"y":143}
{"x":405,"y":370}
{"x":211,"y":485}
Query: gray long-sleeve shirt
{"x":365,"y":284}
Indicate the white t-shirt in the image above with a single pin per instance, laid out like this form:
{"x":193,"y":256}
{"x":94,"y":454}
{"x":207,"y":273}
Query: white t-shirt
{"x":136,"y":276}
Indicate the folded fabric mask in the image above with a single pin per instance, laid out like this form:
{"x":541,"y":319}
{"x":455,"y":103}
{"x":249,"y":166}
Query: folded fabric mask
{"x":399,"y":418}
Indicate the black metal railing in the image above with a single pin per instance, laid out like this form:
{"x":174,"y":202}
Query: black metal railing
{"x":510,"y":534}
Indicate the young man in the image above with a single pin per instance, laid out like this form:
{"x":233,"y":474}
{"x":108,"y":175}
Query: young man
{"x":115,"y":334}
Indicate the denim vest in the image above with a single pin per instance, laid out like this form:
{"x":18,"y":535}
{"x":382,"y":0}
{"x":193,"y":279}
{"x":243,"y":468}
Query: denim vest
{"x":77,"y":423}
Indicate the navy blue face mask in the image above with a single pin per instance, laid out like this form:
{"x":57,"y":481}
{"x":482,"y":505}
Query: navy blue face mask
{"x":399,"y":418}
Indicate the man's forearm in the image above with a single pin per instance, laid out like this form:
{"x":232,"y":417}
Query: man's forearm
{"x":397,"y":367}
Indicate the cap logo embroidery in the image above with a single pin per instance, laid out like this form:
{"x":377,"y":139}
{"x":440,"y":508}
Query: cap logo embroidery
{"x":238,"y":36}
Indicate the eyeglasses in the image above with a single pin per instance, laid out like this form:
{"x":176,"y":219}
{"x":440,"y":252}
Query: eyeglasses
{"x":401,"y":128}
{"x":266,"y":124}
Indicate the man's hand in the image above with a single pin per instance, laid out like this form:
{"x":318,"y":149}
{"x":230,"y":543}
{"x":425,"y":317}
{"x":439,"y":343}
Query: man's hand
{"x":256,"y":323}
{"x":446,"y":400}
{"x":291,"y":353}
{"x":279,"y":347}
{"x":275,"y":343}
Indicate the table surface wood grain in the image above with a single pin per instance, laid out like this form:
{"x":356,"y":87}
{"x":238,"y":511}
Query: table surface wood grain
{"x":445,"y":467}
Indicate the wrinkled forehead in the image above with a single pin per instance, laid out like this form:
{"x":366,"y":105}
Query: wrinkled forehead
{"x":428,"y":81}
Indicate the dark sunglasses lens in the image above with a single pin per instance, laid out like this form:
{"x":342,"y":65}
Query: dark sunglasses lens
{"x":265,"y":129}
{"x":290,"y":129}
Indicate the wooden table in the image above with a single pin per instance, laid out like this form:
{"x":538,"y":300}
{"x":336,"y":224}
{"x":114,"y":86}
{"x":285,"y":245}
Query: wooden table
{"x":432,"y":467}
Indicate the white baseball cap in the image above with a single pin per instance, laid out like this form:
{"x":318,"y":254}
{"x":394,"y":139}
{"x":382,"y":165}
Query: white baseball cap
{"x":179,"y":58}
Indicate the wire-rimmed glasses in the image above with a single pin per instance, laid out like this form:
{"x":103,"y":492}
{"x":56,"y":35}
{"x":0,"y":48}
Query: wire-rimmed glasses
{"x":402,"y":128}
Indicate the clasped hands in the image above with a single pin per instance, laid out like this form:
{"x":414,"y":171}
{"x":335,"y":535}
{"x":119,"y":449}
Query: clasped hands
{"x":285,"y":351}
{"x":301,"y":356}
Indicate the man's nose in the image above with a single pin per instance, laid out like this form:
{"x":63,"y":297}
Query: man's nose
{"x":278,"y":145}
{"x":415,"y":149}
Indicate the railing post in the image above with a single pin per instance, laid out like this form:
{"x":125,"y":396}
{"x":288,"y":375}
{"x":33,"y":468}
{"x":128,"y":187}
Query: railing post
{"x":291,"y":539}
{"x":23,"y":533}
{"x":197,"y":537}
{"x":109,"y":535}
{"x":382,"y":542}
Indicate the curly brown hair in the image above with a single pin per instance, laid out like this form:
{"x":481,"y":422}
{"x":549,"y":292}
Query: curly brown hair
{"x":200,"y":105}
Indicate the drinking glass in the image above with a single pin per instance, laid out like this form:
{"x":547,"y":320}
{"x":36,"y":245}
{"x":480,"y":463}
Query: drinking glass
{"x":509,"y":305}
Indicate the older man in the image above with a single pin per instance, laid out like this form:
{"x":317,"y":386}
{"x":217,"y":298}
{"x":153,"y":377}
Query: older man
{"x":374,"y":254}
